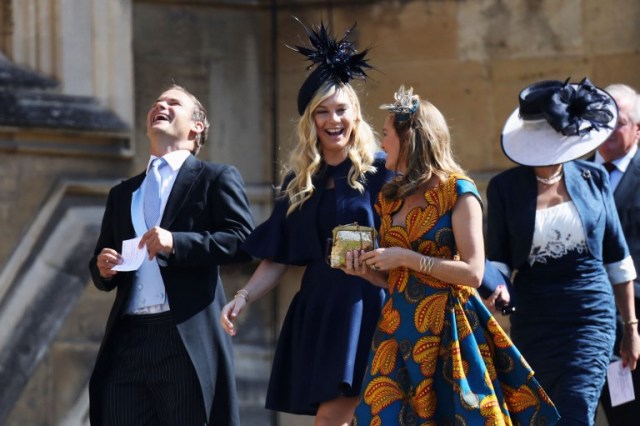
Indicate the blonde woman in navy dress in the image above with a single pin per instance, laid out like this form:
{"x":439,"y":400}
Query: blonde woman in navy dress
{"x":336,"y":173}
{"x":552,"y":221}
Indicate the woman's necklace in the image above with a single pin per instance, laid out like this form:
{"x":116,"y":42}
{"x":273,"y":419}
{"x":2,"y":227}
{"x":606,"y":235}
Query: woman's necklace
{"x":551,"y":179}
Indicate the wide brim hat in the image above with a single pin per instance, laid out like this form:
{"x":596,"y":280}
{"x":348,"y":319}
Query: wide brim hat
{"x":558,"y":122}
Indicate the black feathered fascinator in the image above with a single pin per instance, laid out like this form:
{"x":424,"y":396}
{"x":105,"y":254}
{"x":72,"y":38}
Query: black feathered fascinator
{"x":335,"y":60}
{"x":558,"y":122}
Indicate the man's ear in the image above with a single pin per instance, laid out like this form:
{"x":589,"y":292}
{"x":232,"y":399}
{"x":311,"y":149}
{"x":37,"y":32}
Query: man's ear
{"x":198,"y":126}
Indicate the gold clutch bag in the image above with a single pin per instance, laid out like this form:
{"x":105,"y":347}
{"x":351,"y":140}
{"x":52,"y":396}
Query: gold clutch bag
{"x":350,"y":237}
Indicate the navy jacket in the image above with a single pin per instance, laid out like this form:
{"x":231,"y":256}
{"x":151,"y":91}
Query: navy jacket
{"x":511,"y":213}
{"x":288,"y":240}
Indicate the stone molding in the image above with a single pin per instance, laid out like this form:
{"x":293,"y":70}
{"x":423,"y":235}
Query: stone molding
{"x":65,"y":142}
{"x":44,"y":278}
{"x":36,"y":118}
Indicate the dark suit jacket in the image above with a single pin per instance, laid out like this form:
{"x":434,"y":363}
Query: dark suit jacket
{"x":209,"y":217}
{"x":511,"y":213}
{"x":627,"y":198}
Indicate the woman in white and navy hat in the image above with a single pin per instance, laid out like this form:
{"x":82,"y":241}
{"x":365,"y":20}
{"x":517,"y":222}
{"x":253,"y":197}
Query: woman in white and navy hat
{"x":552,"y":223}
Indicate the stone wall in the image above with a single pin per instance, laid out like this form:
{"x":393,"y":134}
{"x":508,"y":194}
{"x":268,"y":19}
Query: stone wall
{"x":471,"y":58}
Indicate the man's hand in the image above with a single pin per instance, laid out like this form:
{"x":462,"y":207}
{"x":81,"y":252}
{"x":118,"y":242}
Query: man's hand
{"x":107,"y":259}
{"x":157,"y":240}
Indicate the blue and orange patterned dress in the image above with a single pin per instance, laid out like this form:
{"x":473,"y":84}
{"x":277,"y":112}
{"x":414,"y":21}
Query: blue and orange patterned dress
{"x":438,"y":356}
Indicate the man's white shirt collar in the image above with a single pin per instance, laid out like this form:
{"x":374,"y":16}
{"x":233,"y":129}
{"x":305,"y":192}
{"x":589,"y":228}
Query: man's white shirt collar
{"x":174,"y":159}
{"x":621,"y":163}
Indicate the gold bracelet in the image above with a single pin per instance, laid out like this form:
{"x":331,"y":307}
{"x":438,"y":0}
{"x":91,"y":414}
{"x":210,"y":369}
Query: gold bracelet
{"x":243,"y":294}
{"x":631,"y":322}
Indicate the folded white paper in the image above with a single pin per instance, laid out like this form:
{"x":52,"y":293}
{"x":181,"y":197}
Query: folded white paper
{"x":132,"y":256}
{"x":620,"y":383}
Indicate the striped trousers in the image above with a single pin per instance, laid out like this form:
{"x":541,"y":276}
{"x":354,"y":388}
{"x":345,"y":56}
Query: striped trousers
{"x":151,"y":379}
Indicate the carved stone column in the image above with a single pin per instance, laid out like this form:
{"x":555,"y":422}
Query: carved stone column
{"x":83,"y":44}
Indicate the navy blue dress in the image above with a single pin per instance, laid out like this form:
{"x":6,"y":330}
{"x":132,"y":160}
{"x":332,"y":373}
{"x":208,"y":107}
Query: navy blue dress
{"x":324,"y":342}
{"x":568,"y":343}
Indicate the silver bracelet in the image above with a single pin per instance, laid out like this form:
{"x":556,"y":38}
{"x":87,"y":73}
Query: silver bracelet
{"x":426,"y":264}
{"x":242,"y":293}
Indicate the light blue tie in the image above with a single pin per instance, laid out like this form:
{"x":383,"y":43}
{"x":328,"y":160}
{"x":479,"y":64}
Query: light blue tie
{"x":151,"y":205}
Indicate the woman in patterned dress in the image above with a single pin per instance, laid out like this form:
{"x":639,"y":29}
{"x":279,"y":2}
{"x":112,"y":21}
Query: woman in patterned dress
{"x":438,"y":356}
{"x":552,"y":222}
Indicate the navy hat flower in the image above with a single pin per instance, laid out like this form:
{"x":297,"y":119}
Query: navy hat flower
{"x":558,"y":122}
{"x":335,"y":60}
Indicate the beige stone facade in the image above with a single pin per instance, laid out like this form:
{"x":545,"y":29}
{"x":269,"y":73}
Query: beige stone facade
{"x":469,"y":57}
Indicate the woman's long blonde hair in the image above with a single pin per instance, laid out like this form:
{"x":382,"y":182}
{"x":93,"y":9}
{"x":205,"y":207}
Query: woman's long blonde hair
{"x":425,"y":143}
{"x":306,"y":158}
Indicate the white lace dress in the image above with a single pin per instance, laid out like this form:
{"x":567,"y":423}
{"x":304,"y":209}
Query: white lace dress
{"x":558,"y":231}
